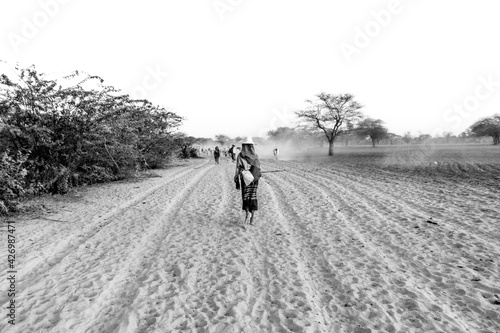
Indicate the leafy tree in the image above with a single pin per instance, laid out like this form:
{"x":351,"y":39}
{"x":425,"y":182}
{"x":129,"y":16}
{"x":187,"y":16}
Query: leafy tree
{"x":222,"y":139}
{"x":330,"y":114}
{"x":447,"y":136}
{"x":465,"y":134}
{"x":408,"y":137}
{"x":489,"y":126}
{"x":392,"y":138}
{"x":372,"y":128}
{"x":423,"y":138}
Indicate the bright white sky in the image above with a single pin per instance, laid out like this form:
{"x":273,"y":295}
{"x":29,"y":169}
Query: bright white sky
{"x":241,"y":67}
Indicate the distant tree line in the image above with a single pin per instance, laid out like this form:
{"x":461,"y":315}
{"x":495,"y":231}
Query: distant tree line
{"x":338,"y":117}
{"x":334,"y":118}
{"x":54,"y":137}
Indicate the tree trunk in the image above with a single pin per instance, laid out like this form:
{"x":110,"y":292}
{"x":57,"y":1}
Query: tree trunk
{"x":496,"y":140}
{"x":330,"y":148}
{"x":373,"y":143}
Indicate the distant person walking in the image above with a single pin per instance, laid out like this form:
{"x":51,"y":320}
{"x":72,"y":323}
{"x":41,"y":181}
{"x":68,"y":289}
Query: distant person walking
{"x":248,"y":160}
{"x":232,"y":153}
{"x":216,"y":154}
{"x":276,"y":152}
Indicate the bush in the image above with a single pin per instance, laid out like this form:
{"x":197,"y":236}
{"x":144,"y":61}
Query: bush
{"x":73,"y":136}
{"x":193,"y":152}
{"x":93,"y":174}
{"x":12,"y":181}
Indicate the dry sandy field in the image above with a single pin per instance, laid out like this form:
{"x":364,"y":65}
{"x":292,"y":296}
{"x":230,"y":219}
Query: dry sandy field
{"x":390,"y":239}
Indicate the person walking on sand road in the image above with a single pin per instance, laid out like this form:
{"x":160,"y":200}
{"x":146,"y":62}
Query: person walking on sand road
{"x":248,"y":160}
{"x":232,"y":153}
{"x":276,"y":153}
{"x":216,"y":154}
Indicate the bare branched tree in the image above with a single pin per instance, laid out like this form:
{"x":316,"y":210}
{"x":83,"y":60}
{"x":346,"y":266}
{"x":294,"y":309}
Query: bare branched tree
{"x":331,"y":114}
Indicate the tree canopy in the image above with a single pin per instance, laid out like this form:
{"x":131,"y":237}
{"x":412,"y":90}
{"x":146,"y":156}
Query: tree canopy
{"x":489,"y":126}
{"x":372,"y":128}
{"x":222,"y":139}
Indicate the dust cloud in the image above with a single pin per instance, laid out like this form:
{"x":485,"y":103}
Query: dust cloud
{"x":290,"y":150}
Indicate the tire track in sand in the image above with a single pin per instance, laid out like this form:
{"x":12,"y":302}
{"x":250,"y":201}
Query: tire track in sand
{"x":111,"y":261}
{"x":317,"y":185}
{"x":382,"y":204}
{"x":173,"y":296}
{"x":438,"y":265}
{"x":293,"y":301}
{"x":199,"y":279}
{"x":443,"y":242}
{"x":342,"y":296}
{"x":35,"y":268}
{"x":423,"y":198}
{"x":246,"y":280}
{"x":231,"y":279}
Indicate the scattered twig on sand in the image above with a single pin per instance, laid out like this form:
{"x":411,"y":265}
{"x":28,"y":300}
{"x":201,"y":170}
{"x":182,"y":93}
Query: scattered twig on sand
{"x":269,"y":171}
{"x":52,"y":220}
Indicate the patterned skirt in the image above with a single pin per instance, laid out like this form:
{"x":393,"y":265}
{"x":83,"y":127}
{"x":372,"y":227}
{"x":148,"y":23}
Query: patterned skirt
{"x":249,"y":195}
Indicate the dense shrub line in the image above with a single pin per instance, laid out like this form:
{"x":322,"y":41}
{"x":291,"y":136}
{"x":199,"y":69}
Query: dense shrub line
{"x":54,"y":137}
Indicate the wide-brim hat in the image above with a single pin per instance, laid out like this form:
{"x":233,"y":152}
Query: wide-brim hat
{"x":248,"y":141}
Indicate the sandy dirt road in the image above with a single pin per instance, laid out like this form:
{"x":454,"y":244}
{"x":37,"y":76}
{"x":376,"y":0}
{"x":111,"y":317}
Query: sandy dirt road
{"x":334,"y":249}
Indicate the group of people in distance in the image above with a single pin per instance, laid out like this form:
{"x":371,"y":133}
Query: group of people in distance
{"x":231,"y":152}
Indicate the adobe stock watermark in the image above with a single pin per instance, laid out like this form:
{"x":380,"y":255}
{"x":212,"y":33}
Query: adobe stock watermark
{"x":460,"y":111}
{"x":372,"y":29}
{"x":32,"y":25}
{"x":280,"y":118}
{"x":152,"y":80}
{"x":222,"y":7}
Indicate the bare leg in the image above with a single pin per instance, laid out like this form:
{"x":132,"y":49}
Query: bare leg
{"x":251,"y":217}
{"x":246,"y":217}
